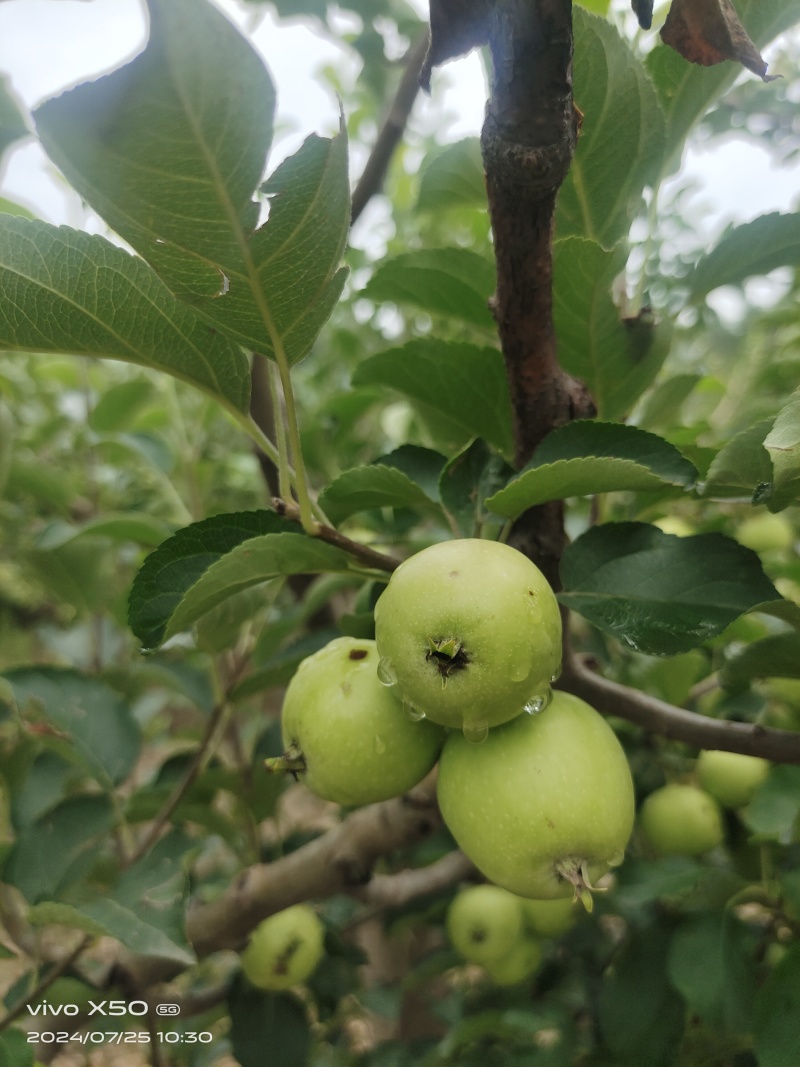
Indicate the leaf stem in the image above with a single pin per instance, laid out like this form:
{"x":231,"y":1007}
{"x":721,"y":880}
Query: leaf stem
{"x":284,"y":477}
{"x":303,"y":497}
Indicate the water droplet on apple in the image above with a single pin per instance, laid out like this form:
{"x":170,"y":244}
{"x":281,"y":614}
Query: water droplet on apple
{"x":386,"y":673}
{"x":555,"y":675}
{"x":476,"y":732}
{"x":413,"y":713}
{"x":520,"y":670}
{"x":616,"y":859}
{"x":380,"y":745}
{"x":538,"y":702}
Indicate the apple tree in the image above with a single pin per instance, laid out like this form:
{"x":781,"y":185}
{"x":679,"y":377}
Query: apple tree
{"x":474,"y":466}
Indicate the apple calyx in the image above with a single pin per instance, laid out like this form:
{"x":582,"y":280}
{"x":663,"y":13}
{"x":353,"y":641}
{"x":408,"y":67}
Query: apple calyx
{"x":448,"y":655}
{"x":576,"y":872}
{"x":291,"y":762}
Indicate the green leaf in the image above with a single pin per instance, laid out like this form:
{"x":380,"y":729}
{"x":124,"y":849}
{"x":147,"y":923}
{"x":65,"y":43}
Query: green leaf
{"x":15,"y":1049}
{"x":175,"y":566}
{"x":659,"y":593}
{"x":777,"y":1004}
{"x":620,"y":142}
{"x":138,"y":527}
{"x":741,"y":466}
{"x":588,"y":457}
{"x":777,"y":656}
{"x":710,"y":963}
{"x":774,"y":810}
{"x":652,"y":1032}
{"x":463,"y":382}
{"x":783,"y":445}
{"x":42,"y":857}
{"x":442,"y":281}
{"x":129,"y":929}
{"x":66,"y":291}
{"x":180,"y":190}
{"x":453,"y":178}
{"x":468,"y":480}
{"x":616,"y":358}
{"x":686,"y":91}
{"x":120,"y":405}
{"x":261,"y":1021}
{"x":252,"y":563}
{"x":421,"y":465}
{"x":384,"y":484}
{"x":12,"y":123}
{"x":755,"y":247}
{"x":96,"y":721}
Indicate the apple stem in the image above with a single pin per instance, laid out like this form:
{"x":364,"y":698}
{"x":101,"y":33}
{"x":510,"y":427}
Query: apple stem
{"x":291,"y":762}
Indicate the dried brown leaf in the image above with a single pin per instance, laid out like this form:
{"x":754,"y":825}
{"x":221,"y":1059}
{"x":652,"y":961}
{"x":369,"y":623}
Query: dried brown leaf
{"x":708,"y":32}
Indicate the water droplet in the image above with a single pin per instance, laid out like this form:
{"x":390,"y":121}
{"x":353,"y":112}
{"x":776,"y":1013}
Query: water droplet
{"x":521,"y":668}
{"x":538,"y":702}
{"x":386,"y":672}
{"x":413,"y":713}
{"x":380,"y":745}
{"x":476,"y":732}
{"x":616,"y":859}
{"x":555,"y":675}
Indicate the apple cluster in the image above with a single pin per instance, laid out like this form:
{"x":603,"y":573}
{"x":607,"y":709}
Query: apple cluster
{"x":467,"y":645}
{"x":503,"y":932}
{"x":685,"y":819}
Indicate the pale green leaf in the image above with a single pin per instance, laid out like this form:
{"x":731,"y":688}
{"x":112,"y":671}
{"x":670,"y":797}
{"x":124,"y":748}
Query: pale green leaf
{"x":588,"y":457}
{"x":776,"y":656}
{"x":621,"y":137}
{"x":453,"y":178}
{"x":616,"y":358}
{"x":72,"y":292}
{"x":783,"y":445}
{"x":741,"y":466}
{"x":12,"y":123}
{"x":252,"y":563}
{"x":138,"y":527}
{"x":753,"y":248}
{"x":129,"y":929}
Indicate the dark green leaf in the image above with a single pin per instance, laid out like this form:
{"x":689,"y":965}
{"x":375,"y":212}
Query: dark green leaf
{"x":41,"y":787}
{"x":95,"y":720}
{"x":467,"y":481}
{"x":252,"y":563}
{"x":12,"y":124}
{"x":686,"y":91}
{"x":267,"y":1024}
{"x":777,"y":656}
{"x":777,"y":1005}
{"x":774,"y":810}
{"x":621,"y":139}
{"x":584,"y":458}
{"x":128,"y":928}
{"x":755,"y":247}
{"x":463,"y":382}
{"x":741,"y":466}
{"x":44,"y":852}
{"x":783,"y":445}
{"x":642,"y":883}
{"x":66,"y":291}
{"x":175,"y":566}
{"x":370,"y":487}
{"x":616,"y":358}
{"x":421,"y":465}
{"x":641,"y":1016}
{"x":453,"y":178}
{"x":660,"y":593}
{"x":442,"y":281}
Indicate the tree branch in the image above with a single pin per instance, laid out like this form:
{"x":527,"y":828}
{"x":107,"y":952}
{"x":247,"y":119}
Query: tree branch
{"x":56,"y":971}
{"x":363,"y":553}
{"x":678,"y":724}
{"x":374,"y":173}
{"x":395,"y":890}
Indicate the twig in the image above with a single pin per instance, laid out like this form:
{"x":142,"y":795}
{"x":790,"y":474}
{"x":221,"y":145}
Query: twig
{"x":45,"y":983}
{"x":779,"y":746}
{"x":374,"y":173}
{"x":361,"y":552}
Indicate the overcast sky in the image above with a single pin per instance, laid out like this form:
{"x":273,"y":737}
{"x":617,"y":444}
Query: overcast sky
{"x":46,"y":46}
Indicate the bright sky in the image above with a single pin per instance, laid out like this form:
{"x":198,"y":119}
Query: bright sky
{"x":47,"y":46}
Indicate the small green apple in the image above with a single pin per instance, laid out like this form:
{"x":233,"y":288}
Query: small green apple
{"x":470,"y":632}
{"x":545,"y":805}
{"x":518,"y":964}
{"x":346,"y":735}
{"x":731,"y":778}
{"x":548,"y":918}
{"x":766,"y":533}
{"x":284,"y":949}
{"x":484,"y":923}
{"x":673,"y":524}
{"x":681,"y":820}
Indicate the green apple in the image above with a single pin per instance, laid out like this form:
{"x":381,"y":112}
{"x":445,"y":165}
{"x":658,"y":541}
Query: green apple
{"x":673,"y":524}
{"x":548,"y":918}
{"x":470,"y":632}
{"x":484,"y":923}
{"x":284,"y":949}
{"x":518,"y":964}
{"x":681,"y":820}
{"x":346,"y":735}
{"x":545,"y":805}
{"x":731,"y":778}
{"x":766,"y":533}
